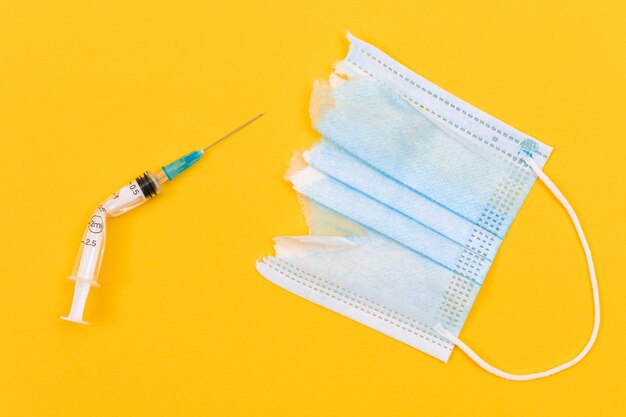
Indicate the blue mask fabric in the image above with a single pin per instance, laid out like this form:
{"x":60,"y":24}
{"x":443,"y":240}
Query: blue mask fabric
{"x":407,"y":196}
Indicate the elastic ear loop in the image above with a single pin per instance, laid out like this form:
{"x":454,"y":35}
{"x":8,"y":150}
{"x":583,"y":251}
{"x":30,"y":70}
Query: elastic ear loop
{"x":594,"y":287}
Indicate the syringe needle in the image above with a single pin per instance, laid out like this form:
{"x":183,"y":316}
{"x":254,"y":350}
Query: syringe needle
{"x":234,"y":131}
{"x":173,"y":169}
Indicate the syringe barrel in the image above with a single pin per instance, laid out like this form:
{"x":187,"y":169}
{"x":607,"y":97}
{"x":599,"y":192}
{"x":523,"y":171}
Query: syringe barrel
{"x":126,"y":198}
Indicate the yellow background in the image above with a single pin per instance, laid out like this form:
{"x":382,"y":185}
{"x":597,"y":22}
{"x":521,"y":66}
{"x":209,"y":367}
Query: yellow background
{"x":92,"y":93}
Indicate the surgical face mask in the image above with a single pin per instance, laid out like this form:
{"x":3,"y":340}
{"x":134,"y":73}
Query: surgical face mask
{"x":408,"y":197}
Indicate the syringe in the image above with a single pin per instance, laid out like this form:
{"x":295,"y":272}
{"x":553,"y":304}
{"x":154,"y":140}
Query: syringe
{"x":137,"y":192}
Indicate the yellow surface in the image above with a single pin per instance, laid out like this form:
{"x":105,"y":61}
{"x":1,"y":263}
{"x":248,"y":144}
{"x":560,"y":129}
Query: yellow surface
{"x":93,"y":93}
